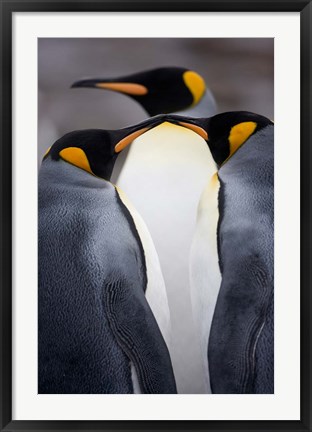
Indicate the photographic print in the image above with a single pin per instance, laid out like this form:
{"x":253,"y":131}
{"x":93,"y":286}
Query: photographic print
{"x":155,"y":216}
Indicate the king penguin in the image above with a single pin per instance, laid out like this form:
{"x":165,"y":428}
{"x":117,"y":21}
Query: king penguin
{"x":240,"y":204}
{"x":172,"y":166}
{"x":103,"y":316}
{"x":161,"y":91}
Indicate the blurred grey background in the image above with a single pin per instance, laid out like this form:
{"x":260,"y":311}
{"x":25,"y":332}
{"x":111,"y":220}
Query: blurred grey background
{"x":239,"y":72}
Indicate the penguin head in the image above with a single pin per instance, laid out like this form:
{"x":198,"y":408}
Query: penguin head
{"x":159,"y":91}
{"x":96,"y":150}
{"x":224,"y":132}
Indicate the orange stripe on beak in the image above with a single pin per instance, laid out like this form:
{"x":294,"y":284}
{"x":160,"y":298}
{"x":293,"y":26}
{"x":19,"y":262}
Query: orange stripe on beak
{"x":197,"y":129}
{"x":128,"y":88}
{"x":128,"y":139}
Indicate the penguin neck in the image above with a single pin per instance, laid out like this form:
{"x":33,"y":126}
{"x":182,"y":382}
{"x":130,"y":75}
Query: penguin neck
{"x":58,"y":172}
{"x":206,"y":107}
{"x":256,"y":155}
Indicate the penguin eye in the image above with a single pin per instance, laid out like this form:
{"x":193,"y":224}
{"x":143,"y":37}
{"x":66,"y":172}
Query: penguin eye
{"x":239,"y":134}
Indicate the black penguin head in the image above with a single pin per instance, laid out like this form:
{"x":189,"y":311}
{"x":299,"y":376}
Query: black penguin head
{"x":225,"y":132}
{"x":96,"y":150}
{"x":159,"y":91}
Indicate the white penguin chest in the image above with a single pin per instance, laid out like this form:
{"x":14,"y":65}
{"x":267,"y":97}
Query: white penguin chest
{"x":205,"y":276}
{"x":155,"y":291}
{"x":164,"y":175}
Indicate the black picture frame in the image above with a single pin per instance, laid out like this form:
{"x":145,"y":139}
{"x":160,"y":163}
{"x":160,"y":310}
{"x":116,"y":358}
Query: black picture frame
{"x":8,"y":7}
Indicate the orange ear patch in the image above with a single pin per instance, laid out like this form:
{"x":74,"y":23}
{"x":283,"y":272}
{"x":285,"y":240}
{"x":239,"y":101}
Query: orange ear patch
{"x":77,"y":157}
{"x":195,"y":84}
{"x":239,"y":134}
{"x":128,"y":88}
{"x":128,"y":139}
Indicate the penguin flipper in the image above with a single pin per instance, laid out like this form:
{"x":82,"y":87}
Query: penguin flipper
{"x":264,"y":355}
{"x":243,"y":322}
{"x":136,"y":331}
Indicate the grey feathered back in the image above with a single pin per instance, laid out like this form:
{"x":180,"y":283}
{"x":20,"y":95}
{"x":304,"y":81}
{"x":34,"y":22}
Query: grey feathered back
{"x":241,"y":343}
{"x":93,"y":315}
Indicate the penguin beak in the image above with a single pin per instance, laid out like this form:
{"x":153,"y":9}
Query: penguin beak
{"x":128,"y":138}
{"x":195,"y":125}
{"x":124,"y":137}
{"x":129,"y":88}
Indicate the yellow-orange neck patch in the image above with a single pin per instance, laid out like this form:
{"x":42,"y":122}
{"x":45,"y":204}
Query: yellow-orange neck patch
{"x":195,"y":84}
{"x":77,"y":157}
{"x":214,"y":179}
{"x":47,"y":152}
{"x":128,"y":88}
{"x":239,"y":134}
